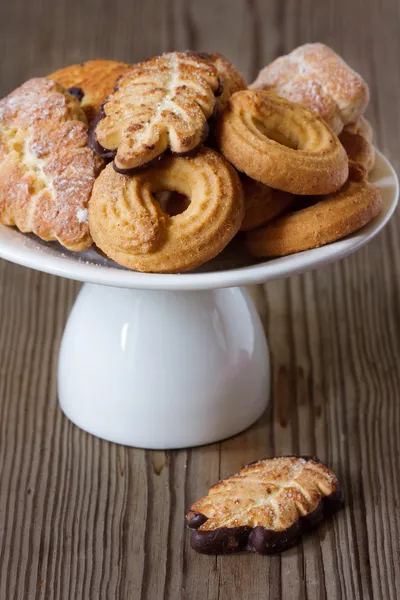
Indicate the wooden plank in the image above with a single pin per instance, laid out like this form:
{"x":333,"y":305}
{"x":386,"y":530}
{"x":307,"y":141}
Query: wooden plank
{"x":85,"y":519}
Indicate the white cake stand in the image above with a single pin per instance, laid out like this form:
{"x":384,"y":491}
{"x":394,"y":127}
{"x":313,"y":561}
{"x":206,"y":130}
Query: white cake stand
{"x":170,"y":361}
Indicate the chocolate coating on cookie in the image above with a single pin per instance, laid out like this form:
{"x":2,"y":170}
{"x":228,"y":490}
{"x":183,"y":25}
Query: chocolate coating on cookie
{"x":261,"y":540}
{"x":92,"y":138}
{"x":77,"y":92}
{"x":94,"y":78}
{"x":265,"y":508}
{"x":136,"y":170}
{"x":103,"y":152}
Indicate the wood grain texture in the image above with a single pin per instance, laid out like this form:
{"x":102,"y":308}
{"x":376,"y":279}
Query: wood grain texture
{"x":82,"y":519}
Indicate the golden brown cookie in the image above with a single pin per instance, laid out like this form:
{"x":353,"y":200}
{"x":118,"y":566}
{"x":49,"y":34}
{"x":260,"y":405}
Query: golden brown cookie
{"x":315,"y":76}
{"x":265,"y":507}
{"x":129,"y":225}
{"x":47,"y":170}
{"x":262,"y":203}
{"x":231,"y":80}
{"x":357,"y":141}
{"x":160,"y":104}
{"x":91,"y":82}
{"x":281,"y":144}
{"x":331,"y":218}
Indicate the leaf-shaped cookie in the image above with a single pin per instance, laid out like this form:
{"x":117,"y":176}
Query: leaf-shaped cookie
{"x":160,"y":103}
{"x":265,"y":507}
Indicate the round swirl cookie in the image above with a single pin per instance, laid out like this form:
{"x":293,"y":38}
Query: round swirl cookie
{"x":129,"y":225}
{"x":284,"y":145}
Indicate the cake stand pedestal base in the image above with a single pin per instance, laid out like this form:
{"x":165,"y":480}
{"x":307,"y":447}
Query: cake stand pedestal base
{"x":158,"y":369}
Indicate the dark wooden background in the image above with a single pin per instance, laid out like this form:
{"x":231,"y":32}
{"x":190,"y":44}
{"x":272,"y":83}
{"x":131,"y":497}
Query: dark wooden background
{"x":82,"y":519}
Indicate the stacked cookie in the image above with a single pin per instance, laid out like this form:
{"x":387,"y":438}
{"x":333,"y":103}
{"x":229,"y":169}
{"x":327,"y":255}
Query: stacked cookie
{"x":317,"y":78}
{"x":162,"y":163}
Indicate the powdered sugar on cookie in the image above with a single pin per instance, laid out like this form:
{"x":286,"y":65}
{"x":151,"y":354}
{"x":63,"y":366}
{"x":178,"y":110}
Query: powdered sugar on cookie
{"x":47,"y":170}
{"x":314,"y":75}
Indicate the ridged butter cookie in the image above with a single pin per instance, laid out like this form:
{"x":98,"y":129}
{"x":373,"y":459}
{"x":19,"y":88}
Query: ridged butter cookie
{"x":327,"y":219}
{"x":281,"y":144}
{"x":130,"y":226}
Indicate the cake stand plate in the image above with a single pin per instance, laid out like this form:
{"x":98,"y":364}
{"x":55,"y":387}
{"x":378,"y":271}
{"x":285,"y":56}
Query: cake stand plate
{"x":171,"y":361}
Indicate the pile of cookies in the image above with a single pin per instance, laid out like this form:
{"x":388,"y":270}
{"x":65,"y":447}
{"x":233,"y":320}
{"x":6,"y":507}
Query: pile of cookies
{"x":161,"y":164}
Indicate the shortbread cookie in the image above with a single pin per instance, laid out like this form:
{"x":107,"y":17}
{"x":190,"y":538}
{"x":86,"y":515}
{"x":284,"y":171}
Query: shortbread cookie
{"x":231,"y":80}
{"x":262,"y":203}
{"x":47,"y":170}
{"x":91,"y":82}
{"x":327,"y":220}
{"x":129,"y":225}
{"x":265,"y":507}
{"x":314,"y":75}
{"x":160,"y":104}
{"x":357,"y":141}
{"x":281,"y":144}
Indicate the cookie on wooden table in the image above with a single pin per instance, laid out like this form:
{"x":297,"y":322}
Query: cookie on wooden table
{"x":265,"y":507}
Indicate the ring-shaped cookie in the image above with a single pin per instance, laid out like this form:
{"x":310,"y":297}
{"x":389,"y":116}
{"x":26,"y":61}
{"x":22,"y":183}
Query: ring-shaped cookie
{"x":128,"y":224}
{"x":330,"y":219}
{"x":281,"y":144}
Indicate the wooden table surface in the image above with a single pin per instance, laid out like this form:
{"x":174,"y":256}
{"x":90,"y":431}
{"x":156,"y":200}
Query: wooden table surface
{"x":83,"y":519}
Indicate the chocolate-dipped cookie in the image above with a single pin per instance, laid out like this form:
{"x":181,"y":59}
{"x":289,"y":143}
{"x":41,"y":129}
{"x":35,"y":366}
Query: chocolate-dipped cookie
{"x":264,"y":508}
{"x":160,"y":104}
